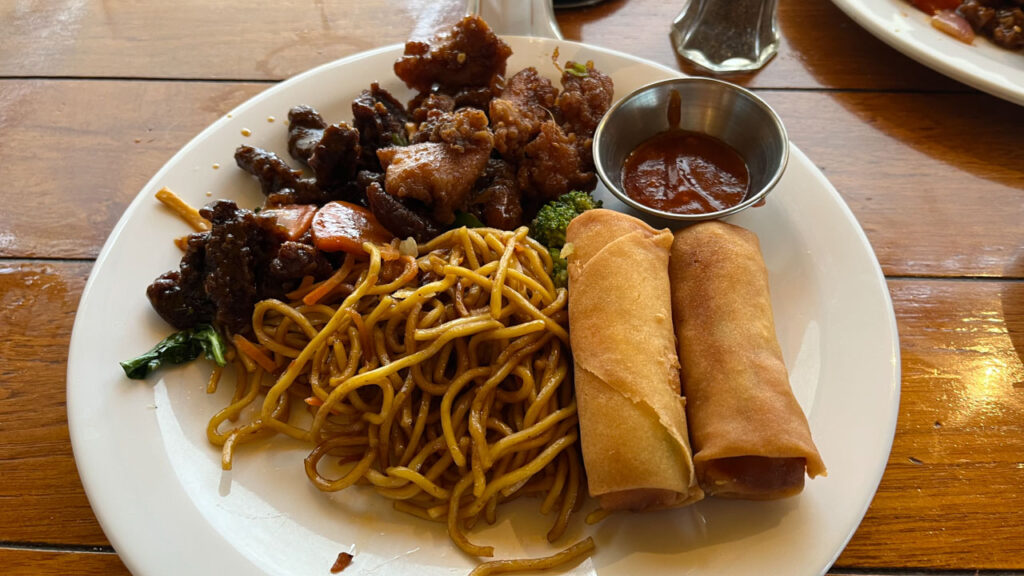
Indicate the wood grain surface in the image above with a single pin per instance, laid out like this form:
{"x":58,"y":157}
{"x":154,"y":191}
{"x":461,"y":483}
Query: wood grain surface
{"x":96,"y":96}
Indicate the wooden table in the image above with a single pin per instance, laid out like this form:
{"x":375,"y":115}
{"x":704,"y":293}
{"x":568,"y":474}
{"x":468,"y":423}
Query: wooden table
{"x":96,"y":96}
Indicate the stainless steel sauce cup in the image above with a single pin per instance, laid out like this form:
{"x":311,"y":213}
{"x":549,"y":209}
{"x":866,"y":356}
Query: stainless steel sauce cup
{"x":720,"y":109}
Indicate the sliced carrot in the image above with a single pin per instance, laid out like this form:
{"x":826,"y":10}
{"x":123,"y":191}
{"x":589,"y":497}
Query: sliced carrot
{"x":293,"y":220}
{"x":254,"y":353}
{"x":302,"y":290}
{"x":324,"y":288}
{"x":341,"y":226}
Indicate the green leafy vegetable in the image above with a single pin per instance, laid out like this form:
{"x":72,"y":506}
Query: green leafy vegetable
{"x":178,"y":348}
{"x":577,"y":69}
{"x":466,"y":219}
{"x":549,"y":227}
{"x":399,"y":139}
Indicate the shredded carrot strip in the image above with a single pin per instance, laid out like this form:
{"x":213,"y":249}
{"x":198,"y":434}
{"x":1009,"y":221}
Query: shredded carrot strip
{"x":389,"y":252}
{"x":316,"y":402}
{"x":181,"y":242}
{"x":187,"y":212}
{"x":254,"y":352}
{"x":302,"y":290}
{"x":325,"y":287}
{"x":411,"y":270}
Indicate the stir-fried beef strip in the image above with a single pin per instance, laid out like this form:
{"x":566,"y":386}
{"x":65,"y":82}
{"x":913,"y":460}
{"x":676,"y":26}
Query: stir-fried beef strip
{"x":400,"y":217}
{"x":178,"y":295}
{"x":242,"y":259}
{"x":516,"y":115}
{"x":380,"y":120}
{"x":234,"y":248}
{"x":277,"y":178}
{"x":470,"y":55}
{"x":441,"y":173}
{"x":293,"y":261}
{"x":335,"y":160}
{"x":496,"y":200}
{"x":305,"y":129}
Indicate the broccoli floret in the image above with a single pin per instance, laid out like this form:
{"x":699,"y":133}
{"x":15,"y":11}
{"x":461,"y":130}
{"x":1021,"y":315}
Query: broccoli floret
{"x":549,"y":227}
{"x":560,"y":268}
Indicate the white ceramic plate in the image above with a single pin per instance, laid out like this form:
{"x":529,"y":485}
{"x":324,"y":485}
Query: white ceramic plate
{"x":982,"y":65}
{"x":156,"y":484}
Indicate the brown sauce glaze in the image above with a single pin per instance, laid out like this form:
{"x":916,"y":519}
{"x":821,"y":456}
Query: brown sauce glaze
{"x":686,"y":173}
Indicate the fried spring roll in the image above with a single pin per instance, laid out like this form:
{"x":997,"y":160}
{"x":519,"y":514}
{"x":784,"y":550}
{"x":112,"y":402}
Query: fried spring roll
{"x":750,"y":437}
{"x":632,"y":419}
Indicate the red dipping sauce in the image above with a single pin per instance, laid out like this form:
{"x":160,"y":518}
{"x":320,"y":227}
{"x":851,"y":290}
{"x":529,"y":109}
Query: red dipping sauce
{"x":686,"y":173}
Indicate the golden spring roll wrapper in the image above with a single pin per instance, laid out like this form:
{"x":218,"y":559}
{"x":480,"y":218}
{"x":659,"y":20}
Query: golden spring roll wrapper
{"x":739,"y":399}
{"x":632,"y":418}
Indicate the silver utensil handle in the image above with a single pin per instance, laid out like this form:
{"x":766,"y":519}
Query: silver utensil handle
{"x":518,"y":17}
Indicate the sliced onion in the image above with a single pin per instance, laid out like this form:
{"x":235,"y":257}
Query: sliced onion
{"x":408,"y":247}
{"x":953,"y":24}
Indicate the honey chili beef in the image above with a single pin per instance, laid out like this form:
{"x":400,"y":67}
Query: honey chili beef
{"x":472,"y":146}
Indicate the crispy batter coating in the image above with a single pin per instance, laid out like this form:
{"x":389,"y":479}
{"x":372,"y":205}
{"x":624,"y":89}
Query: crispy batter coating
{"x":551,"y":165}
{"x":468,"y":55}
{"x":441,"y":173}
{"x":584,"y":99}
{"x":586,"y":96}
{"x":517,"y":114}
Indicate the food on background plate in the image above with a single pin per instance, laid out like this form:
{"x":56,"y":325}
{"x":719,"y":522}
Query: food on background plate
{"x":750,"y":436}
{"x":1001,"y":21}
{"x":633,"y":429}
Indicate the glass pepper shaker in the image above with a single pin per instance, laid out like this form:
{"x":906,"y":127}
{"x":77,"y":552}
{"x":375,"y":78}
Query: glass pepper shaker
{"x":727,"y":35}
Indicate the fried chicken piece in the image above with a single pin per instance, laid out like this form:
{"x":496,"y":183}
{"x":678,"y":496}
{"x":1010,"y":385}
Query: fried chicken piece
{"x":441,"y":173}
{"x":380,"y":120}
{"x":496,"y":200}
{"x":517,"y":114}
{"x":305,"y":129}
{"x":586,"y":96}
{"x":279,"y":181}
{"x":551,"y":165}
{"x":425,"y":102}
{"x":398,"y":217}
{"x":469,"y":55}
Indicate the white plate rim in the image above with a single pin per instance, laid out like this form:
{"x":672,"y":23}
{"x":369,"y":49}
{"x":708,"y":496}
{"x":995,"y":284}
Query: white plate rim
{"x":126,"y":538}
